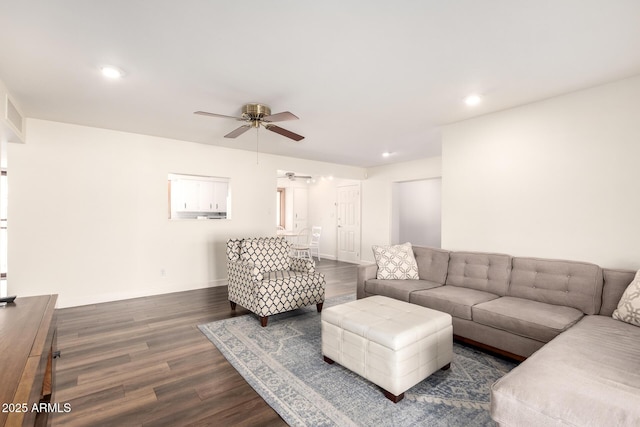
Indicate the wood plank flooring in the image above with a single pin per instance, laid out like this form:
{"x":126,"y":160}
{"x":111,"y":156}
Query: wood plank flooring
{"x":143,"y":362}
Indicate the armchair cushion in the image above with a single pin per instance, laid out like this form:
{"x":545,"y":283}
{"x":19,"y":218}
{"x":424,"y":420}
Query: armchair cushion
{"x":266,"y":254}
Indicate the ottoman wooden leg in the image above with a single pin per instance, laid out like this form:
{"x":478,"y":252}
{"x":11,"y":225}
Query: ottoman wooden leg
{"x":233,"y":305}
{"x":329,"y":361}
{"x":264,"y":320}
{"x":319,"y":307}
{"x":392,"y":397}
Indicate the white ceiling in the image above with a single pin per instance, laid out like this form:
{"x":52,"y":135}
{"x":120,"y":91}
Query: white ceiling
{"x":364,"y":76}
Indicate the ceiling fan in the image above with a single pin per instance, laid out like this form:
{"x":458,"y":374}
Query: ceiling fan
{"x":292,"y":176}
{"x":256,"y":115}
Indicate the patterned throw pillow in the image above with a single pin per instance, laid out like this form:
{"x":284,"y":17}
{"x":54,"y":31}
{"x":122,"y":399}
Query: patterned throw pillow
{"x":629,"y":306}
{"x":396,"y":262}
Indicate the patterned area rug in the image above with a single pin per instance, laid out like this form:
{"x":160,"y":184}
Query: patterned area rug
{"x":283,"y":363}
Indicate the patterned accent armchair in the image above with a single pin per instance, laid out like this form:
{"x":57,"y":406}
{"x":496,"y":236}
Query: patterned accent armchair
{"x":266,"y":280}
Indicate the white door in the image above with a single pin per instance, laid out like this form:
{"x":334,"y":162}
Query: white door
{"x":349,"y":223}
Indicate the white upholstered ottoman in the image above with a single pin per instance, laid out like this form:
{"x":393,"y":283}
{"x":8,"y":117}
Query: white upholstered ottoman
{"x":393,"y":344}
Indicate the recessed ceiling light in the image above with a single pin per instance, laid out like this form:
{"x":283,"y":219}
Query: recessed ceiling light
{"x":473,"y":100}
{"x":111,"y":72}
{"x":387,"y":154}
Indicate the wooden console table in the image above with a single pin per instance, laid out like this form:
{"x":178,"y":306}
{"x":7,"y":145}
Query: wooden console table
{"x":27,"y":360}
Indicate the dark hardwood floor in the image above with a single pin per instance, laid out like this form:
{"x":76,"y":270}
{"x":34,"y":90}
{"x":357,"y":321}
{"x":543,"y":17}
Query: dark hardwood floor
{"x":143,"y":362}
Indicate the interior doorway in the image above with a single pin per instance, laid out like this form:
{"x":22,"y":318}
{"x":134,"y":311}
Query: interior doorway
{"x":417,"y":212}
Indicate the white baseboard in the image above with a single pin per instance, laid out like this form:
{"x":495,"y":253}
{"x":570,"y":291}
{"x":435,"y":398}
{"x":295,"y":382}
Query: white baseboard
{"x":66,"y":301}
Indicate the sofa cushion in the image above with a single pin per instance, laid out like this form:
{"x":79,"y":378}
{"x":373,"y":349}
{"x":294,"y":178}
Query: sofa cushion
{"x":587,"y":376}
{"x":531,"y":319}
{"x":569,"y":283}
{"x":454,"y":300}
{"x":268,"y":254}
{"x":395,"y":262}
{"x":615,"y":283}
{"x":398,"y":289}
{"x":480,"y":271}
{"x":432,"y":263}
{"x":629,"y":306}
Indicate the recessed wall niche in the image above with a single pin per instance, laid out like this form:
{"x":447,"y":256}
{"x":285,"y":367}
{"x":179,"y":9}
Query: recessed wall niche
{"x":198,"y":197}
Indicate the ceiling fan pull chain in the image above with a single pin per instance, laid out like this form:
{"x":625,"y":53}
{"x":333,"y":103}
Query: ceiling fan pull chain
{"x":257,"y":141}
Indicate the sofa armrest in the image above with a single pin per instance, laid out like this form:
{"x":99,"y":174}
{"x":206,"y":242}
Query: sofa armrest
{"x":365,"y":272}
{"x":302,"y":265}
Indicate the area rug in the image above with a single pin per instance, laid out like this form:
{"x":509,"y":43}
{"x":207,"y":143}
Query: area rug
{"x":283,"y":363}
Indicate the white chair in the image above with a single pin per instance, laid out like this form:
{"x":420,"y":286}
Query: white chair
{"x":314,"y":243}
{"x":300,"y":244}
{"x":301,"y":248}
{"x":308,"y":243}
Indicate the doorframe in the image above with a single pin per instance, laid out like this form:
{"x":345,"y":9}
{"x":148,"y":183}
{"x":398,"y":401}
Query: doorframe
{"x":357,"y":184}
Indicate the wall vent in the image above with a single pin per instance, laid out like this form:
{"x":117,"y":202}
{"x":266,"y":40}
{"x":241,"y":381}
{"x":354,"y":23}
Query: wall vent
{"x":13,"y":115}
{"x":11,"y":120}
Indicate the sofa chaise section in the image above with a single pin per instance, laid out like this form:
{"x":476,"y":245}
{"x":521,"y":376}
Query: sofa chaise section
{"x":586,"y":376}
{"x":589,"y":375}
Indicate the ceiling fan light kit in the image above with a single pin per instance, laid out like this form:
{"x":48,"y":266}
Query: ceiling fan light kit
{"x":256,"y":115}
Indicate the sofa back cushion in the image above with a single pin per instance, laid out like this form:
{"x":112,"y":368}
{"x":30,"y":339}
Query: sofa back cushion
{"x":432,"y":263}
{"x":615,"y":283}
{"x":569,"y":283}
{"x":480,"y":271}
{"x":267,"y":254}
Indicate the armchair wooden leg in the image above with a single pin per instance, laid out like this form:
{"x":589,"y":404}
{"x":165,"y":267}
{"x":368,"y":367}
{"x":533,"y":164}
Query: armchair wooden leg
{"x":319,"y":306}
{"x":233,"y":305}
{"x":263,"y":321}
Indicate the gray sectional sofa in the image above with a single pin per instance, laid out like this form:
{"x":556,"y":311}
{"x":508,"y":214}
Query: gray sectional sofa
{"x":586,"y":366}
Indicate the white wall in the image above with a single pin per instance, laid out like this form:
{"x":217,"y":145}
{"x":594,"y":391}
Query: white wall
{"x":88,"y":212}
{"x":558,"y":178}
{"x":377,"y":203}
{"x":417,"y":212}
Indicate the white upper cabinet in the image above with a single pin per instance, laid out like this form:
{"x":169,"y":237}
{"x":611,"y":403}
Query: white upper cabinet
{"x":300,"y":207}
{"x":199,"y":195}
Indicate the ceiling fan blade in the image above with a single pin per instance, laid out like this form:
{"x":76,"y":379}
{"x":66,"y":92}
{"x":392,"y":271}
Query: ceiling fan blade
{"x":284,"y":132}
{"x":280,"y":117}
{"x":204,"y":113}
{"x":242,"y":129}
